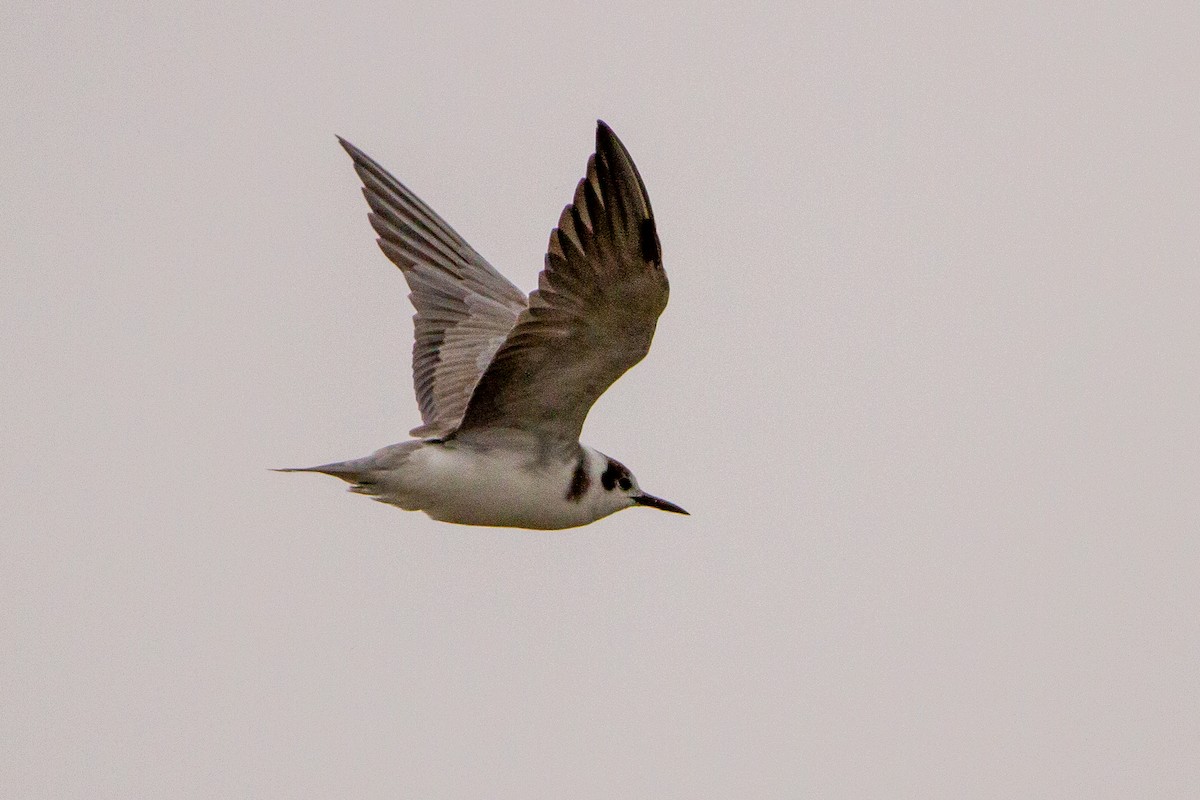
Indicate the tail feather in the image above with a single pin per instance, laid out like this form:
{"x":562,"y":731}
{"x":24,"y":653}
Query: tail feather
{"x":349,"y":471}
{"x":371,"y":475}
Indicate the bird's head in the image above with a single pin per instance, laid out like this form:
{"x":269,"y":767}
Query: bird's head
{"x":613,"y":487}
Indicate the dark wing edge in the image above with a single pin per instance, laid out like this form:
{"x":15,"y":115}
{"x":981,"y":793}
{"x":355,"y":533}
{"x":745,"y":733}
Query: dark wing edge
{"x":593,"y":314}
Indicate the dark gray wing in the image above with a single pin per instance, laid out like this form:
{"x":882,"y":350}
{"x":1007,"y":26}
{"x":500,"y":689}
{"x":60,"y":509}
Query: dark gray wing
{"x":465,"y":308}
{"x":594,"y":311}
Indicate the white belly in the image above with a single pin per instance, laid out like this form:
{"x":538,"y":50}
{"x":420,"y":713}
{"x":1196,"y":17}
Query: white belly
{"x":485,"y":487}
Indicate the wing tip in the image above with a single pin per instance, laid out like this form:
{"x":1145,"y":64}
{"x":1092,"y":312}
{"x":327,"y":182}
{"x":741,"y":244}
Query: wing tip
{"x":619,"y":165}
{"x":606,"y":139}
{"x":358,"y":155}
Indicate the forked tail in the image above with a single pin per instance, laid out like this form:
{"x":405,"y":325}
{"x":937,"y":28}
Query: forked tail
{"x":349,"y":471}
{"x":372,"y":475}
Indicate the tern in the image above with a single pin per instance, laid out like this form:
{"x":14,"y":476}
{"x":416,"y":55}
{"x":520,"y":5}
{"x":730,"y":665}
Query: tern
{"x":504,"y":382}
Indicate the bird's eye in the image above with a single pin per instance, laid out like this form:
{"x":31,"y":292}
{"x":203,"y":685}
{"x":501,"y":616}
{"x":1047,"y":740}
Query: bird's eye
{"x":624,"y":483}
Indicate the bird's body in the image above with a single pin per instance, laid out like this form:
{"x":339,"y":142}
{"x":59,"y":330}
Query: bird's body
{"x":505,"y":382}
{"x":510,"y":484}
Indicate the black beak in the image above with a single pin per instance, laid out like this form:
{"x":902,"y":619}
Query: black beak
{"x":655,"y":502}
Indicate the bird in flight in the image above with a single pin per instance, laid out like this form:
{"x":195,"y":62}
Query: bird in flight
{"x":504,"y":382}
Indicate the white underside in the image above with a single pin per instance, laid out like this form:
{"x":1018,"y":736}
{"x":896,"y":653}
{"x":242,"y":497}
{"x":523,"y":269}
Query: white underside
{"x":499,"y":487}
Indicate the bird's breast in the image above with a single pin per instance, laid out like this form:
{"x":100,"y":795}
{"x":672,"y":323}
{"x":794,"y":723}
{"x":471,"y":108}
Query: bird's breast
{"x":494,"y":486}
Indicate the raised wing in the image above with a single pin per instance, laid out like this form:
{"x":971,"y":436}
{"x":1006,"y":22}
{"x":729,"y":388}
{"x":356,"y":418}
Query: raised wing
{"x":465,"y":308}
{"x":593,"y":314}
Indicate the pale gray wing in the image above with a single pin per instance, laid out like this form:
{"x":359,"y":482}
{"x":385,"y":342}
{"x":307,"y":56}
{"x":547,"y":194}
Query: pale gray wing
{"x":465,"y":308}
{"x":594,"y":311}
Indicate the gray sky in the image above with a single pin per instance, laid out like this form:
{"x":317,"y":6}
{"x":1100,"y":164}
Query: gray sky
{"x":928,"y":384}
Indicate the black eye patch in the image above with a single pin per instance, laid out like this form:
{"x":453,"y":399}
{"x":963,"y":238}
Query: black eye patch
{"x":611,"y":474}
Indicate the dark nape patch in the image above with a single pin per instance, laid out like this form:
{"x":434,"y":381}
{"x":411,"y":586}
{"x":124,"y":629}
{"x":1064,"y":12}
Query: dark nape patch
{"x":648,"y":237}
{"x":579,"y":481}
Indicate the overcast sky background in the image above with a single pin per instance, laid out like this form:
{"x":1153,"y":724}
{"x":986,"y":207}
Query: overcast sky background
{"x":928,"y":383}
